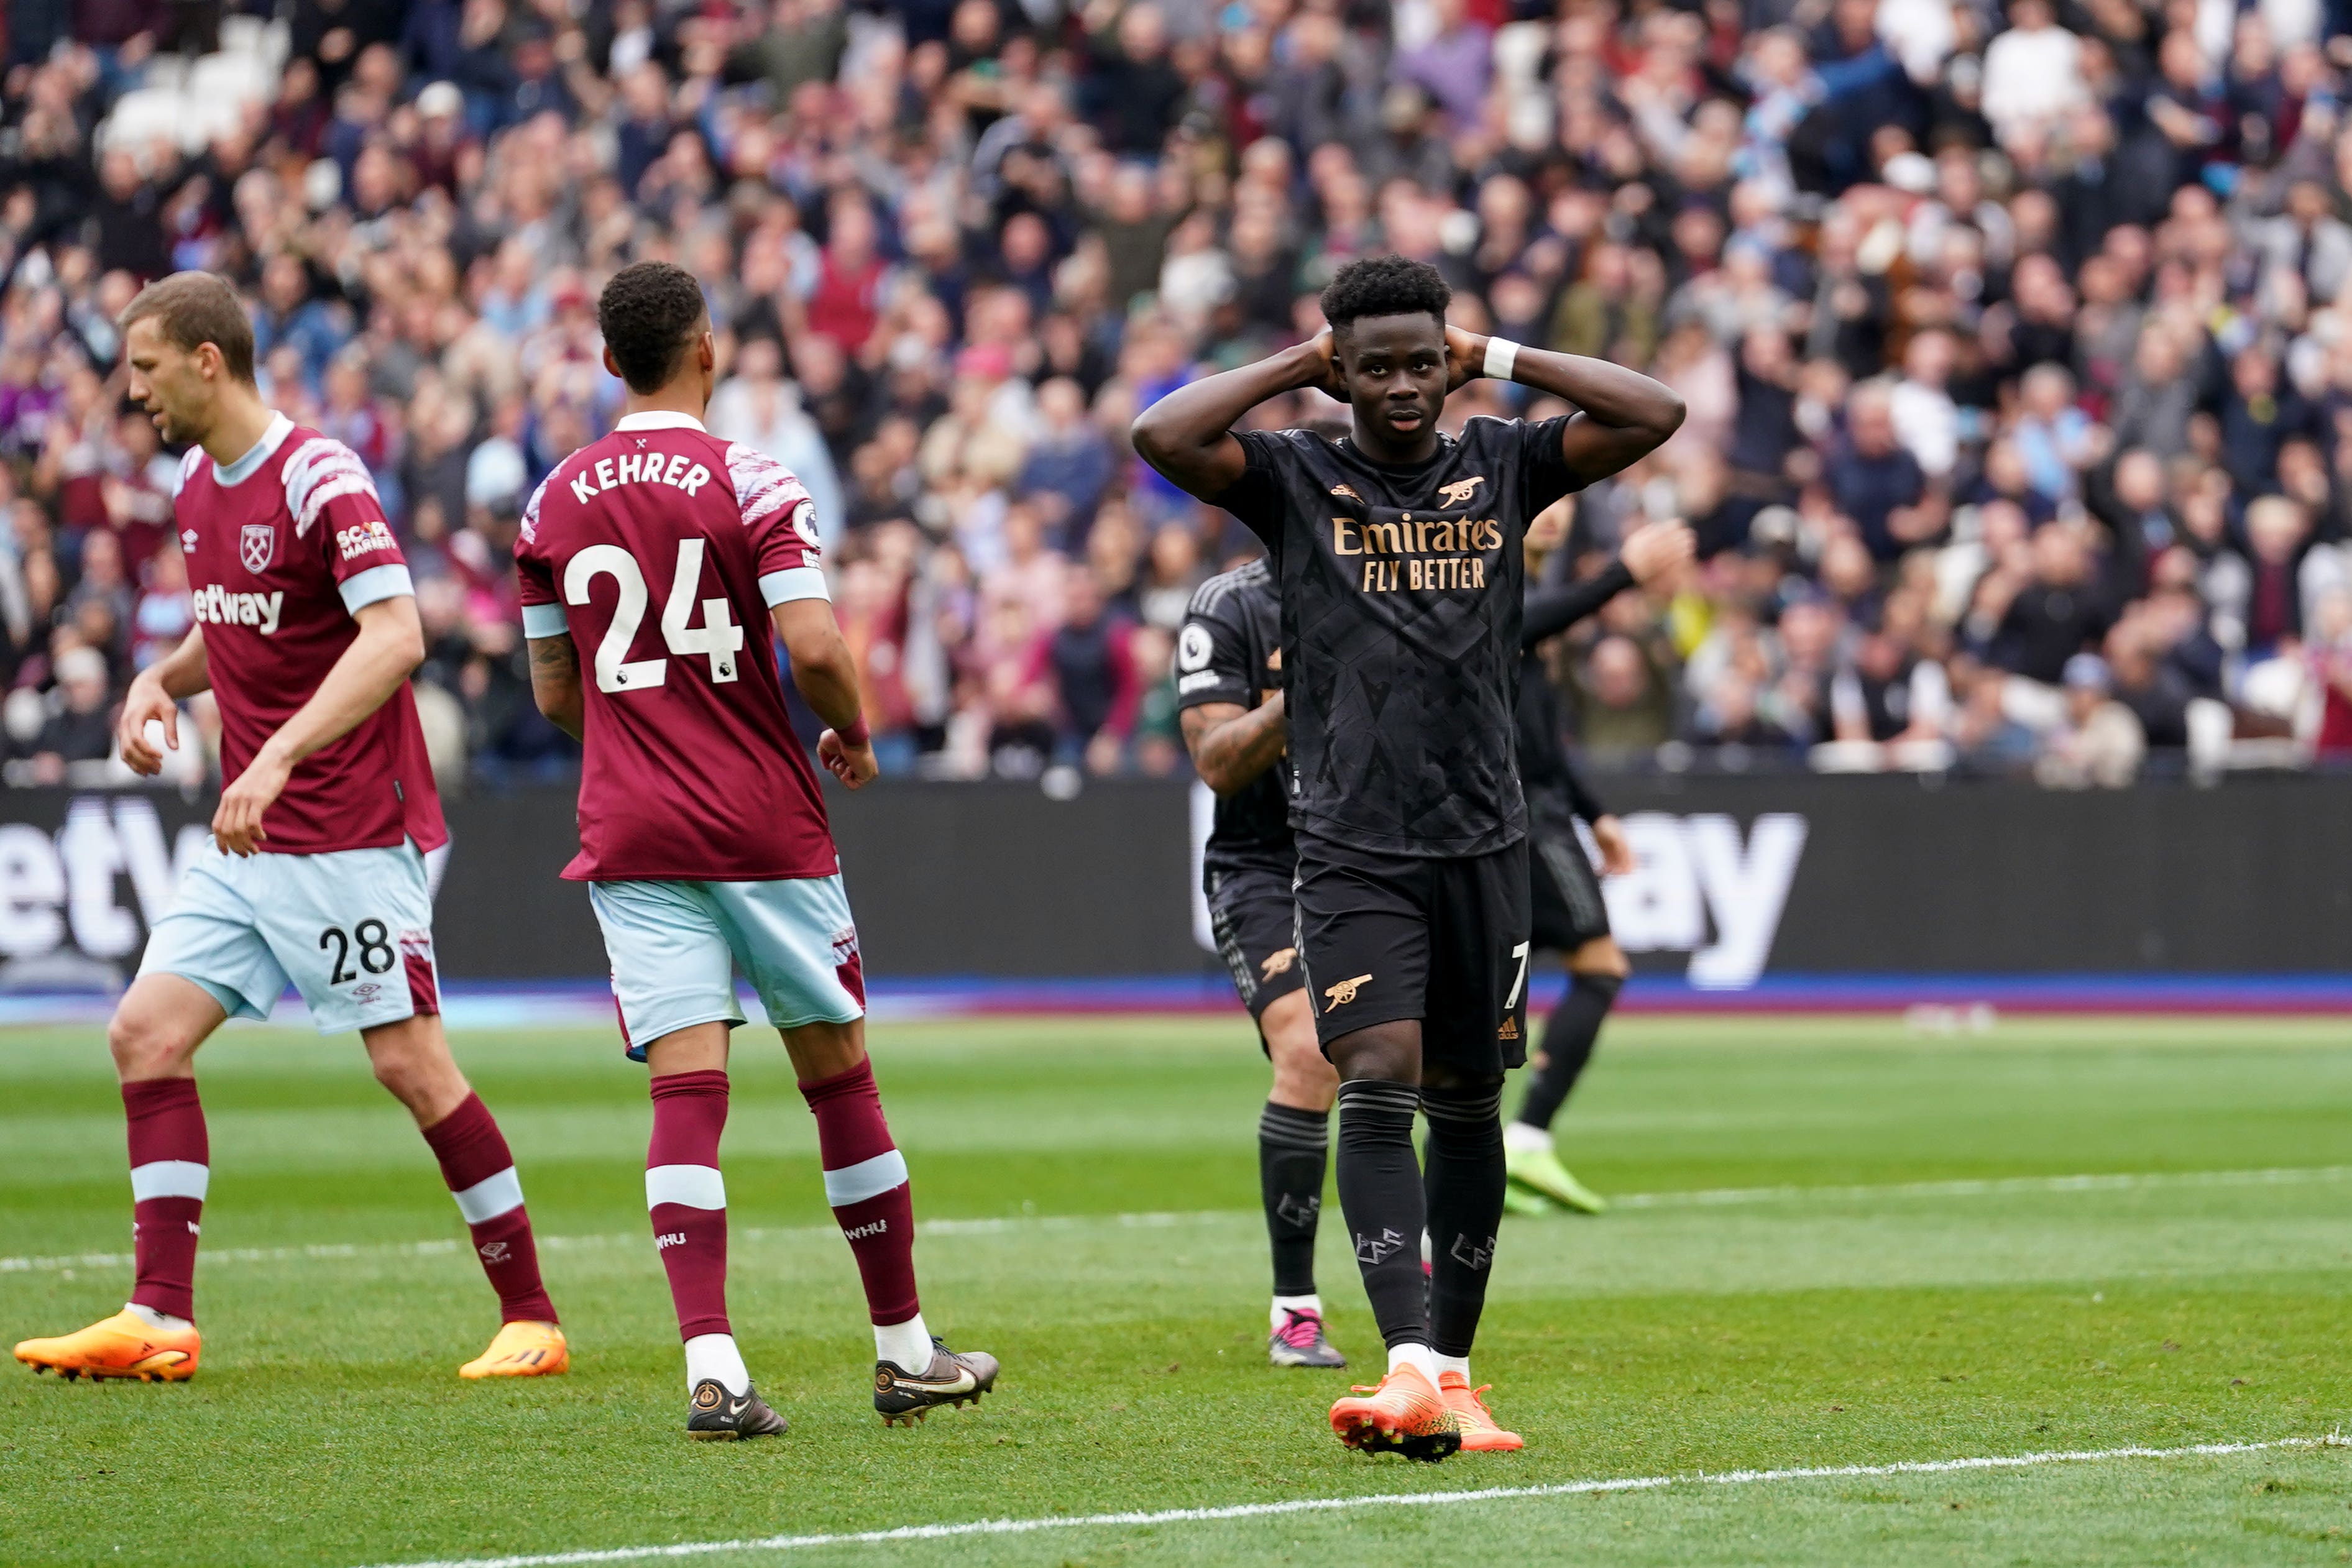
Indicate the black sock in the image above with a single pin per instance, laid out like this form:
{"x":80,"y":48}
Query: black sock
{"x":1465,"y":1207}
{"x":1292,"y":1150}
{"x":1568,"y":1037}
{"x":1380,"y":1194}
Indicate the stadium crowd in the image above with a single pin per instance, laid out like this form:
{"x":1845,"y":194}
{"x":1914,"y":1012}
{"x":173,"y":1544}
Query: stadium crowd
{"x":2016,"y":344}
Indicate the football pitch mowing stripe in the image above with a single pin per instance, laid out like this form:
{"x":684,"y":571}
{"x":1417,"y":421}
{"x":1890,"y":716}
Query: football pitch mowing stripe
{"x":1890,"y":1275}
{"x":1377,"y":1500}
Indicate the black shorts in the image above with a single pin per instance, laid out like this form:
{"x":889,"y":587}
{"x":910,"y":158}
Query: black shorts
{"x":1565,"y":891}
{"x":1255,"y":925}
{"x":1400,"y":936}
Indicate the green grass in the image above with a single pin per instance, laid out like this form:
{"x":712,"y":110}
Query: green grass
{"x":1678,"y":1335}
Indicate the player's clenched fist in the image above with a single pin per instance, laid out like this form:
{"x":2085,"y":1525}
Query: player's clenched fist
{"x":237,"y":825}
{"x":146,"y":705}
{"x":853,"y":765}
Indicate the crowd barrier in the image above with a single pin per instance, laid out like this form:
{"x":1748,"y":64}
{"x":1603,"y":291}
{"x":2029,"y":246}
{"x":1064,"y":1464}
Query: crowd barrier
{"x":1741,"y":880}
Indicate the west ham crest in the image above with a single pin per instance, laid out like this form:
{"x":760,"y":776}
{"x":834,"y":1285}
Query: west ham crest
{"x":258,"y":546}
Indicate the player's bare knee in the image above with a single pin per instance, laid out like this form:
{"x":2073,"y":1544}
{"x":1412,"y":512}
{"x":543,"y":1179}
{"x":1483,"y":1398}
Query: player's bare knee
{"x":145,"y":1046}
{"x":823,"y":1050}
{"x":1302,"y":1078}
{"x":412,"y":1060}
{"x":1387,"y":1052}
{"x":1602,"y":955}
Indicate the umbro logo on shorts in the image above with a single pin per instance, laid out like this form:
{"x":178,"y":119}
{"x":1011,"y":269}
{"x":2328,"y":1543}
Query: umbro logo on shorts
{"x":1345,"y":992}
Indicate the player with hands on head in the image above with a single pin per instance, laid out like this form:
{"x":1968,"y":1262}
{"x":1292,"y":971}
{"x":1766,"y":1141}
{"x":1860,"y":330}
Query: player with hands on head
{"x":669,"y":556}
{"x":1396,"y":555}
{"x":319,"y":872}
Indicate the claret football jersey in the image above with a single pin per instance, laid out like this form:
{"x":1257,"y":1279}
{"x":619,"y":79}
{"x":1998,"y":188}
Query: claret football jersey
{"x":284,"y":547}
{"x":660,"y":549}
{"x":1401,"y":608}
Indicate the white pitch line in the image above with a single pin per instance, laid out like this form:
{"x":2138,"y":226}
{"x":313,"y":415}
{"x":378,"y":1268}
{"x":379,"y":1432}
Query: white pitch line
{"x":2125,"y":1181}
{"x":1716,"y":1198}
{"x":1375,"y":1499}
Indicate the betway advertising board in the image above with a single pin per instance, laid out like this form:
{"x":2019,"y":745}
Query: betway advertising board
{"x":1739,"y":879}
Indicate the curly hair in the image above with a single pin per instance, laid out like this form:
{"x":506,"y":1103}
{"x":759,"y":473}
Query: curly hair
{"x":648,"y":314}
{"x":1384,"y":285}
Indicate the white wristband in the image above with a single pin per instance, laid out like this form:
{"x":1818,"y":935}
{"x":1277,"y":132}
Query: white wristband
{"x":1501,"y":355}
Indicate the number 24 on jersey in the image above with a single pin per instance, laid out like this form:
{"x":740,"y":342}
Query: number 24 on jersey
{"x":718,"y":638}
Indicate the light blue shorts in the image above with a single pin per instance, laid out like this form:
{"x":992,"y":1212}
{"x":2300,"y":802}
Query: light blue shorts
{"x":676,"y":948}
{"x":351,"y":931}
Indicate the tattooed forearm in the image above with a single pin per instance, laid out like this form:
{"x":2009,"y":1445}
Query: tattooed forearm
{"x":1232,"y":744}
{"x":555,"y":682}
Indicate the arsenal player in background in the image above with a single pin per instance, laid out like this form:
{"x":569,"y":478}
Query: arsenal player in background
{"x":665,"y":554}
{"x":305,"y":632}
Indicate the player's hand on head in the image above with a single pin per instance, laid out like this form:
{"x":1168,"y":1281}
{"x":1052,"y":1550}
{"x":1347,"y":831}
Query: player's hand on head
{"x":1334,"y":382}
{"x":1466,"y":357}
{"x":1655,"y":550}
{"x":853,"y":765}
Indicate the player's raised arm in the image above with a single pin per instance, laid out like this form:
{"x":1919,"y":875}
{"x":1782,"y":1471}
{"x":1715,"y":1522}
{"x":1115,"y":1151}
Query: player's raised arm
{"x":1649,"y":553}
{"x":1622,"y":416}
{"x":389,"y":647}
{"x":827,"y":674}
{"x":1188,"y":435}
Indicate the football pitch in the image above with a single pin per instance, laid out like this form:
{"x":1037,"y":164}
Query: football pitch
{"x":1840,"y":1247}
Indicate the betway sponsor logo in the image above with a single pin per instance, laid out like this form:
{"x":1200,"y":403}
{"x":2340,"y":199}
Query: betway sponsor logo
{"x":1696,"y":874}
{"x":216,"y":605}
{"x":66,"y":887}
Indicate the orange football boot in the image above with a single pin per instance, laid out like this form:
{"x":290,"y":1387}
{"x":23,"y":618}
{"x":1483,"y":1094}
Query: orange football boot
{"x":1403,"y":1416}
{"x":1480,"y":1433}
{"x":124,"y":1345}
{"x":522,"y":1349}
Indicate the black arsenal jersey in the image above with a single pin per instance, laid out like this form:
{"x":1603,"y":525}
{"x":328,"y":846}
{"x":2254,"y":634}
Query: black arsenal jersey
{"x":1231,"y":651}
{"x":1557,"y":788}
{"x":1401,"y":613}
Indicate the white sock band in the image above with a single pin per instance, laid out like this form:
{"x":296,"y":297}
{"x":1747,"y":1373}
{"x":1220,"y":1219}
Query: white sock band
{"x":692,"y":1186}
{"x":906,"y":1346}
{"x":866,"y":1179}
{"x":1283,"y":1305}
{"x":1454,"y":1363}
{"x":490,"y":1197}
{"x":1420,"y":1357}
{"x":1519,"y":1136}
{"x":154,"y":1318}
{"x":715,"y":1355}
{"x":169,"y":1179}
{"x":1501,"y":355}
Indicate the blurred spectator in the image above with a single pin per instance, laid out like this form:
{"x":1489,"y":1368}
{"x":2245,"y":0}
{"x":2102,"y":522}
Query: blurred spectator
{"x":2010,"y":339}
